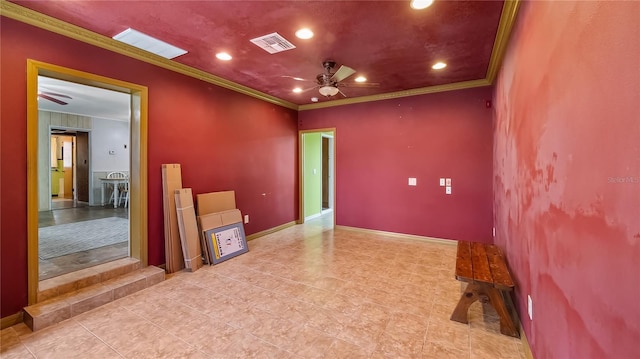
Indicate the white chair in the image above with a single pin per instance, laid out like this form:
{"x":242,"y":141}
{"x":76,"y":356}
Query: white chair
{"x":124,"y":194}
{"x":121,"y":187}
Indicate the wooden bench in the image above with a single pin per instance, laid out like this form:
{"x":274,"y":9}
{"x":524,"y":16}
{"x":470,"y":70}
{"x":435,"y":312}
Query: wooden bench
{"x":484,"y":268}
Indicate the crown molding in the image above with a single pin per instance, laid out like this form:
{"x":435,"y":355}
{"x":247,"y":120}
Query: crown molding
{"x":54,"y":25}
{"x":507,"y":20}
{"x":19,"y":13}
{"x":391,"y":95}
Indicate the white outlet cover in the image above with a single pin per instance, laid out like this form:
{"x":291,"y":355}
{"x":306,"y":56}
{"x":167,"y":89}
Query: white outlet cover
{"x":413,"y":181}
{"x":246,"y":218}
{"x":530,"y":307}
{"x":441,"y":182}
{"x":447,"y":190}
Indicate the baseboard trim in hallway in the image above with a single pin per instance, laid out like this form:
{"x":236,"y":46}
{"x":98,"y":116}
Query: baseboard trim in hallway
{"x":449,"y":242}
{"x":270,"y":230}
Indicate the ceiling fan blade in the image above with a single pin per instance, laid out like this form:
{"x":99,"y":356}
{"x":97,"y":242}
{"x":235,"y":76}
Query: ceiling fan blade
{"x":361,"y":84}
{"x":296,"y":78}
{"x":52,"y":99}
{"x":55,"y":94}
{"x":342,"y":93}
{"x":342,"y":73}
{"x":309,"y":89}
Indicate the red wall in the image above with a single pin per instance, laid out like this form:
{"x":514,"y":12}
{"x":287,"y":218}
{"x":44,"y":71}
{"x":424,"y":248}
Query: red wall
{"x":381,"y":144}
{"x":567,"y":175}
{"x":222,"y":139}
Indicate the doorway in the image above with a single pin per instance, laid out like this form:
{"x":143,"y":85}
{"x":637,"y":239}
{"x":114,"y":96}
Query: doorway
{"x":69,"y":163}
{"x":327,"y":172}
{"x":37,"y":143}
{"x":317,"y":174}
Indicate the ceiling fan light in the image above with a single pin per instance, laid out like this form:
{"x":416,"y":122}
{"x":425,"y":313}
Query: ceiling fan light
{"x":297,"y":90}
{"x":421,"y":4}
{"x":328,"y":91}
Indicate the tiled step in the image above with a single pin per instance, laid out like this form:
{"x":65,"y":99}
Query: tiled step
{"x":68,"y":305}
{"x":66,"y":283}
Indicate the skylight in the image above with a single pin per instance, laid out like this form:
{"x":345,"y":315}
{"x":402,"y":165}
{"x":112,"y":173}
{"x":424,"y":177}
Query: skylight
{"x":148,"y":43}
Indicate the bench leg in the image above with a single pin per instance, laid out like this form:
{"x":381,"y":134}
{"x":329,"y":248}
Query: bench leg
{"x":507,"y":326}
{"x":470,"y":295}
{"x":475,"y":292}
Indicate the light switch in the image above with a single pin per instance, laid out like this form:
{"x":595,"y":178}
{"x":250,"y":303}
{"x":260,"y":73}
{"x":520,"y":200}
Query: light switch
{"x":448,"y":182}
{"x":447,"y":190}
{"x":413,"y":181}
{"x":315,"y":171}
{"x":112,"y":152}
{"x":441,"y":182}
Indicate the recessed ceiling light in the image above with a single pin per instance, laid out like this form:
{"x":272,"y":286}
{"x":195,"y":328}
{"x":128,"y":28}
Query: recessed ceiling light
{"x":297,"y":90}
{"x":439,"y":66}
{"x":223,"y":56}
{"x":304,"y":33}
{"x":360,"y":79}
{"x":314,"y":99}
{"x":421,"y":4}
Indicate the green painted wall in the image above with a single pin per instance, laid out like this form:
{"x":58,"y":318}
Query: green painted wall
{"x":312,"y":182}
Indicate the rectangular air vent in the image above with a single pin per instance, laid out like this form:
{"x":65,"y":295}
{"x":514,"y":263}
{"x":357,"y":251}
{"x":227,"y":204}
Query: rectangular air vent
{"x":273,"y":43}
{"x":149,"y":43}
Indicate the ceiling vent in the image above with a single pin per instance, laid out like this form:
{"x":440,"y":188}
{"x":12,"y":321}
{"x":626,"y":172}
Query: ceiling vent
{"x":273,"y":43}
{"x":148,"y":43}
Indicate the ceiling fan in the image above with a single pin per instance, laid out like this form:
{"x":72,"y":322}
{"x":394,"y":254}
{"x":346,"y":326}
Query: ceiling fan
{"x":328,"y":82}
{"x":52,"y":96}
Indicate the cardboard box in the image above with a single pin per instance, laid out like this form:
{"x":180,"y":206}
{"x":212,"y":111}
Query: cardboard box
{"x":218,"y":220}
{"x":215,"y":202}
{"x":188,"y":228}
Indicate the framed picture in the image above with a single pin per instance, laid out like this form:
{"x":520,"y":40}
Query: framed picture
{"x":226,"y":242}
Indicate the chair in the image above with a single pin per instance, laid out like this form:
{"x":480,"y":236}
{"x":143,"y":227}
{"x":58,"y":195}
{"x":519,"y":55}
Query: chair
{"x":121,"y":187}
{"x":124,"y":192}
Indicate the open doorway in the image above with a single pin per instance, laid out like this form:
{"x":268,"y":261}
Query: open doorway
{"x":317,"y":175}
{"x":69,"y":163}
{"x":80,"y":131}
{"x":327,"y":172}
{"x":76,"y":229}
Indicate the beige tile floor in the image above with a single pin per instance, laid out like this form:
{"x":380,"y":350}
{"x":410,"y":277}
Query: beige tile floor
{"x":304,"y":292}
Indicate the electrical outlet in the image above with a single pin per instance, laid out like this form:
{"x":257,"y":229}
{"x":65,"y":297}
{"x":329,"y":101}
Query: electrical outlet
{"x":246,"y":218}
{"x":413,"y":181}
{"x":530,"y":307}
{"x":447,"y":190}
{"x":494,"y":231}
{"x":441,"y":182}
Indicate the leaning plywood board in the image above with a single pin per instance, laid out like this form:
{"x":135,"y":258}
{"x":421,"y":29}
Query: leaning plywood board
{"x":215,"y":202}
{"x":188,"y":229}
{"x":171,"y":181}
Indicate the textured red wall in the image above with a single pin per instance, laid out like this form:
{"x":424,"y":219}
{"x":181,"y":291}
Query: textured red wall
{"x":222,"y":139}
{"x":381,"y":144}
{"x":567,"y":175}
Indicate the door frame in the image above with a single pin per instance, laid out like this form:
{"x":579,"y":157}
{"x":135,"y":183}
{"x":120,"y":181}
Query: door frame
{"x":301,"y":134}
{"x":138,"y":161}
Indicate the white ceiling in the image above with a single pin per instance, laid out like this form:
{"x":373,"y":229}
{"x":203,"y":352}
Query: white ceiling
{"x":85,"y":100}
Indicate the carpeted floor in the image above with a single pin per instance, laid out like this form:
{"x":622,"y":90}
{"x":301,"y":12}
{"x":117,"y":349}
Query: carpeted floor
{"x":55,"y":241}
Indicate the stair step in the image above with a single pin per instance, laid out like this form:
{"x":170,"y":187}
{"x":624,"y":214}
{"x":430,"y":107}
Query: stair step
{"x":67,"y":283}
{"x":68,"y":305}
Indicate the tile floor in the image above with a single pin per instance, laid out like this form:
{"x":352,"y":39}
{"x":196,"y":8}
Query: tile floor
{"x":69,"y":211}
{"x":304,"y":292}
